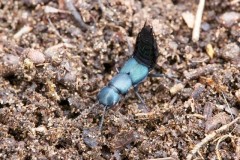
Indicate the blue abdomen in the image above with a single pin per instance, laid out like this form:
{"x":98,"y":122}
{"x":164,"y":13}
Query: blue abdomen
{"x":136,"y":71}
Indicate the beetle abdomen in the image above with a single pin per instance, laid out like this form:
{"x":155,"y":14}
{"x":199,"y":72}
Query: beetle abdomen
{"x":135,"y":70}
{"x":138,"y":74}
{"x":128,"y":66}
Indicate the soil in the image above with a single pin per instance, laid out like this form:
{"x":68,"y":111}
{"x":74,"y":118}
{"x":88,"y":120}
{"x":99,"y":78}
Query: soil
{"x":52,"y":68}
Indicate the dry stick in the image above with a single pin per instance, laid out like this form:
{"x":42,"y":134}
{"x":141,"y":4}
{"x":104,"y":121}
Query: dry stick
{"x":220,"y":140}
{"x":25,"y":29}
{"x":76,"y":15}
{"x":210,"y":137}
{"x":49,"y":9}
{"x":189,"y":138}
{"x":197,"y":23}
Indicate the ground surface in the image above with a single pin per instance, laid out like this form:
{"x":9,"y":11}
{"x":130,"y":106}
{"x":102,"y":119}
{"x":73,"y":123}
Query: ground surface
{"x":51,"y":70}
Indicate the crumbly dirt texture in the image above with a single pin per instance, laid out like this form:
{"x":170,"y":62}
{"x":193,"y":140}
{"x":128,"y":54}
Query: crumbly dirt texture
{"x":52,"y":68}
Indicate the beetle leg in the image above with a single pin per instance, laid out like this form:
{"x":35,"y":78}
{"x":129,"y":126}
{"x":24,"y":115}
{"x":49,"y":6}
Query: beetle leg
{"x":145,"y":108}
{"x":156,"y":75}
{"x":102,"y":118}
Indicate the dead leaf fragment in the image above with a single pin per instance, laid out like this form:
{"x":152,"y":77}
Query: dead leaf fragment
{"x":210,"y":50}
{"x":189,"y":18}
{"x":218,"y":86}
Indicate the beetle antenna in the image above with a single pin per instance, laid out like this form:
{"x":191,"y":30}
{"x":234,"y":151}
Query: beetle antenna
{"x":102,"y":119}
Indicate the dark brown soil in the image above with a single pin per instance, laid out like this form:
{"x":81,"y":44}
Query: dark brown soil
{"x":51,"y":73}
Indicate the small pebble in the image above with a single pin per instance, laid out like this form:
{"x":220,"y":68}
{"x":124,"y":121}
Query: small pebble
{"x":231,"y":52}
{"x":173,"y":45}
{"x":41,"y":129}
{"x":235,"y":31}
{"x":10,"y":59}
{"x":205,"y":26}
{"x":34,"y":55}
{"x":229,"y":18}
{"x":70,"y":77}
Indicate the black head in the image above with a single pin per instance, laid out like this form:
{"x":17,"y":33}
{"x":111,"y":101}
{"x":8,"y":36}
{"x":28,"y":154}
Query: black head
{"x":146,"y":51}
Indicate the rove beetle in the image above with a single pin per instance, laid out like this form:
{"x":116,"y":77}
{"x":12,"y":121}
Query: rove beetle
{"x":134,"y":71}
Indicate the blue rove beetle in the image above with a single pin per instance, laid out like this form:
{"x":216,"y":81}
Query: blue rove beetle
{"x":133,"y":72}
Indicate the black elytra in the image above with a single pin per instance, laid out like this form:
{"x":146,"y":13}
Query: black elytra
{"x":146,"y":50}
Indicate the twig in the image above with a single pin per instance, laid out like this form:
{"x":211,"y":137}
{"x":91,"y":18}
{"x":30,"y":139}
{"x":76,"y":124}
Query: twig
{"x":196,"y":115}
{"x":190,"y":139}
{"x":49,"y":9}
{"x":210,"y":137}
{"x":76,"y":15}
{"x":22,"y":31}
{"x":219,"y":141}
{"x":198,"y":19}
